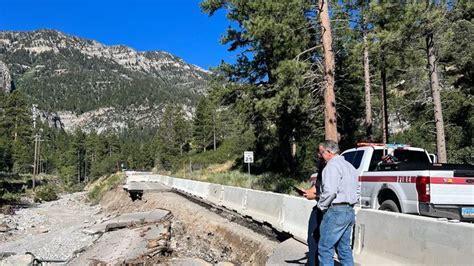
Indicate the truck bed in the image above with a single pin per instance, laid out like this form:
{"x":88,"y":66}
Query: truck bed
{"x":465,"y":170}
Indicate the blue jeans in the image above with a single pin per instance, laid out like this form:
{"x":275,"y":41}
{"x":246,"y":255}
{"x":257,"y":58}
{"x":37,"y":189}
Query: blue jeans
{"x":336,"y":230}
{"x":313,"y":236}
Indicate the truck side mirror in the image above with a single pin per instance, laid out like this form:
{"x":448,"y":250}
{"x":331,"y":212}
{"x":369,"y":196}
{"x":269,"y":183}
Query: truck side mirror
{"x":433,"y":157}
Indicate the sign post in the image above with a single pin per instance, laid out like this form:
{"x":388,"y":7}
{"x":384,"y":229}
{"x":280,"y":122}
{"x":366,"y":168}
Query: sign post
{"x":248,"y":158}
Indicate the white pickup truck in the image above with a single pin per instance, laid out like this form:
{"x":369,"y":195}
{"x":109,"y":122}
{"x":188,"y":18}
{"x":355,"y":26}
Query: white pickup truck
{"x":411,"y":183}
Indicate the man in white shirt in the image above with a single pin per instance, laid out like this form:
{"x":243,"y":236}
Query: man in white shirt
{"x":339,"y":194}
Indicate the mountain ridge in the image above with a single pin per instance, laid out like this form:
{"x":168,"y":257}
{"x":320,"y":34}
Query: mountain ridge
{"x":65,"y":74}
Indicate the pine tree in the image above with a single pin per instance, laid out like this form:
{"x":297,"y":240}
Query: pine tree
{"x":271,"y":89}
{"x":6,"y":161}
{"x":174,"y":133}
{"x":17,"y":123}
{"x":204,"y":124}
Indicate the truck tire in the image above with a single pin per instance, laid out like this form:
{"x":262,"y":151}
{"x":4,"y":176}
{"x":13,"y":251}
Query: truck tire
{"x":389,"y":205}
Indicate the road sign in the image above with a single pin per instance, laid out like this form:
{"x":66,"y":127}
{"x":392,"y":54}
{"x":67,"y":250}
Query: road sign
{"x":248,"y":156}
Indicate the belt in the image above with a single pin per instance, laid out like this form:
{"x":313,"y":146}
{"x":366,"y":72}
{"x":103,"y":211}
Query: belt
{"x":342,"y":204}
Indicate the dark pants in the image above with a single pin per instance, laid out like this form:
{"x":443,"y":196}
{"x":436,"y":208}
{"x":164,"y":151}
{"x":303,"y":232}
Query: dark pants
{"x":313,"y":235}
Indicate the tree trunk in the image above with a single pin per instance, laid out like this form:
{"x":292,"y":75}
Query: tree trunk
{"x":383,"y":77}
{"x":438,"y":113}
{"x":86,"y":178}
{"x":35,"y":162}
{"x":79,"y":167}
{"x":330,"y":115}
{"x":368,"y":105}
{"x":214,"y":132}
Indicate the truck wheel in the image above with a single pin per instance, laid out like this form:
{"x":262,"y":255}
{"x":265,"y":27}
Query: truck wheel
{"x":389,"y":205}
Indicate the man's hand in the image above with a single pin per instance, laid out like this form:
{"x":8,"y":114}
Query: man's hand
{"x":310,"y":194}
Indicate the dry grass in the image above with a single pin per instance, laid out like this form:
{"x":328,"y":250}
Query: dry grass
{"x":220,"y":168}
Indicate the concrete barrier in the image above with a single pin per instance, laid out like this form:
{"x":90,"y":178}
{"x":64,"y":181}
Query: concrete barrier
{"x":137,"y":178}
{"x":234,"y":198}
{"x":411,"y":239}
{"x":188,"y":186}
{"x":264,"y":207}
{"x":179,"y":184}
{"x":379,"y":237}
{"x":199,"y":189}
{"x":295,"y":216}
{"x":129,"y":173}
{"x":154,"y":178}
{"x":215,"y":194}
{"x":160,"y":178}
{"x":168,"y":180}
{"x":144,"y":186}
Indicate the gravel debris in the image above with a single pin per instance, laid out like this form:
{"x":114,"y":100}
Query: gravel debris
{"x":62,"y":230}
{"x":51,"y":230}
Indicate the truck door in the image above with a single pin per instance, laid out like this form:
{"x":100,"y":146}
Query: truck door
{"x":355,"y":158}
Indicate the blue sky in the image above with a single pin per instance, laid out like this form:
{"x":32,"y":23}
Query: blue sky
{"x":176,"y":26}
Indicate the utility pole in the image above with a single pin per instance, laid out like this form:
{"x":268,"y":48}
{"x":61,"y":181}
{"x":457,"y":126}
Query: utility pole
{"x":38,"y":156}
{"x":79,"y":168}
{"x":214,"y":129}
{"x":35,"y":161}
{"x":37,"y":141}
{"x":86,"y":178}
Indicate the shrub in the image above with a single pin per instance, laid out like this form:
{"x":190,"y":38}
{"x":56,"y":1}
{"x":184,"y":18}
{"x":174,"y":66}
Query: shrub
{"x":46,"y":193}
{"x":8,"y":197}
{"x":102,"y":186}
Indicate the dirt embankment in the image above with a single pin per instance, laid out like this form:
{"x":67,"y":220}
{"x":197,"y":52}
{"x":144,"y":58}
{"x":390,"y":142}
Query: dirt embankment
{"x":196,"y":232}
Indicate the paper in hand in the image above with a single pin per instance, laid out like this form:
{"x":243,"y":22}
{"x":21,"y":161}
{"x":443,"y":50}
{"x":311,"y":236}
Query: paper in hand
{"x":299,"y":190}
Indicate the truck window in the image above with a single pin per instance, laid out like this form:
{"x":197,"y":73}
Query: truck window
{"x":401,"y":156}
{"x":407,"y":156}
{"x":376,"y":158}
{"x":354,"y":157}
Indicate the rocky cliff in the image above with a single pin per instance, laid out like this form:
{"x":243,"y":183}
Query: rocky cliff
{"x":83,"y":83}
{"x":5,"y":78}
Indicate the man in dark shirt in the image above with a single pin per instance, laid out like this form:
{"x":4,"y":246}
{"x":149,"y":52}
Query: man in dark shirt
{"x":316,"y":215}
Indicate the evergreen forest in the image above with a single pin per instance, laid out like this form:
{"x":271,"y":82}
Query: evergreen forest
{"x":402,"y":72}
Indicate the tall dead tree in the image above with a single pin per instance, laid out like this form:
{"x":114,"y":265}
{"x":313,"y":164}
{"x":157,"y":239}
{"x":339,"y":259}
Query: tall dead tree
{"x":435,"y":88}
{"x":383,"y":77}
{"x":330,"y":115}
{"x":367,"y":85}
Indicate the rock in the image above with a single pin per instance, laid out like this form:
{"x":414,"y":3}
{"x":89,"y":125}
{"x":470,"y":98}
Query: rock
{"x":4,"y":228}
{"x":17,"y":260}
{"x":128,"y":220}
{"x":187,"y":261}
{"x":152,"y":243}
{"x":114,"y":226}
{"x":5,"y":78}
{"x":90,"y":231}
{"x":7,"y":209}
{"x":225,"y":263}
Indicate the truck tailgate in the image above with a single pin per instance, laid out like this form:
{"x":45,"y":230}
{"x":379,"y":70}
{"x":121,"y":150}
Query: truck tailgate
{"x":449,"y":188}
